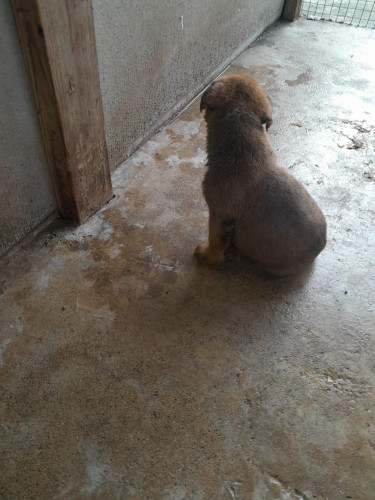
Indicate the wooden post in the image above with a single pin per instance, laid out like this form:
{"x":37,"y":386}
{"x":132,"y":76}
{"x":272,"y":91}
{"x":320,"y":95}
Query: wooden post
{"x":291,"y":9}
{"x":58,"y":42}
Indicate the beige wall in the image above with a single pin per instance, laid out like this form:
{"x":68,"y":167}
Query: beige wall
{"x":26,"y":192}
{"x":156,"y":55}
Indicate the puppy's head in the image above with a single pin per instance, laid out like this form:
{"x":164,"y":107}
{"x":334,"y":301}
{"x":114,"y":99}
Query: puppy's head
{"x":232,"y":92}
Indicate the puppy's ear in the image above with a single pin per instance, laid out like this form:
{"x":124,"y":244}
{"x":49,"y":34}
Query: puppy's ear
{"x":213,"y":96}
{"x":267,"y":120}
{"x":260,"y":104}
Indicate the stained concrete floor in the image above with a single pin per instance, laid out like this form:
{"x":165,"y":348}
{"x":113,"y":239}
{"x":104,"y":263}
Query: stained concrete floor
{"x":129,"y":372}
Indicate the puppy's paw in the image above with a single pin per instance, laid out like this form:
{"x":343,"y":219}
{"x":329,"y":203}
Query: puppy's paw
{"x":204,"y":255}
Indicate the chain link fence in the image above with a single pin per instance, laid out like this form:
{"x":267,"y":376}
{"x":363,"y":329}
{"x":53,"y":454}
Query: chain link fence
{"x":354,"y":12}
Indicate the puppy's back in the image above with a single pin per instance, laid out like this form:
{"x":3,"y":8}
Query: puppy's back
{"x":276,"y":222}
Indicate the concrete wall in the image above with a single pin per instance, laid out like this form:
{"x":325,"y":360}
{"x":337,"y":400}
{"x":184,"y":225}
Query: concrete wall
{"x":156,"y":55}
{"x":26,"y":192}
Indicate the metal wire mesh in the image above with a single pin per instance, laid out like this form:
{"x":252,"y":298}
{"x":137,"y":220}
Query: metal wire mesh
{"x":355,"y":12}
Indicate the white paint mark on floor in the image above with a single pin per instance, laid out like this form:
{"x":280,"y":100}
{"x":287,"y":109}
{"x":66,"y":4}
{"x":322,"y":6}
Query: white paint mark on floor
{"x":115,"y":250}
{"x":96,"y":227}
{"x":98,"y":471}
{"x":184,"y":128}
{"x":42,"y":280}
{"x":197,"y":161}
{"x":139,"y":224}
{"x":2,"y":349}
{"x":56,"y":264}
{"x":175,"y":493}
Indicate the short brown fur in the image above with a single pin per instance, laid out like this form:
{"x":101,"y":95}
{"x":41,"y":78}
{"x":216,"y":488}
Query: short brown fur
{"x":254,"y":205}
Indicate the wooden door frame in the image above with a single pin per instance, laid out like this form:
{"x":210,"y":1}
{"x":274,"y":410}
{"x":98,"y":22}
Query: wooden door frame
{"x":58,"y":42}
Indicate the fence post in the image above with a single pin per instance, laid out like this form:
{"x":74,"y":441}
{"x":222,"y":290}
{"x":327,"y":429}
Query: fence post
{"x":291,"y":9}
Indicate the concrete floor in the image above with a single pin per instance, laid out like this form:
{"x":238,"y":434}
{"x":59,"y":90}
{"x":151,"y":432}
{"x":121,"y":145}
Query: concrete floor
{"x":129,"y":372}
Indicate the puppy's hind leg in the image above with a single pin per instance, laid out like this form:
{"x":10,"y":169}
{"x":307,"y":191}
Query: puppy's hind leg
{"x":219,"y":237}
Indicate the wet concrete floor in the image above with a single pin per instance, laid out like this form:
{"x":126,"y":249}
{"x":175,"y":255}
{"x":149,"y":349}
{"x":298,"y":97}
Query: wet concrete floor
{"x":129,"y":372}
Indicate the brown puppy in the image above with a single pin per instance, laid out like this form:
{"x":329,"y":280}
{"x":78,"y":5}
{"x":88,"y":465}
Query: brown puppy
{"x":253,"y":203}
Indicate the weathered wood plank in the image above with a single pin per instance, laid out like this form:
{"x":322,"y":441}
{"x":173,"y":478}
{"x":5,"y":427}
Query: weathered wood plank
{"x":58,"y":42}
{"x":291,"y":9}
